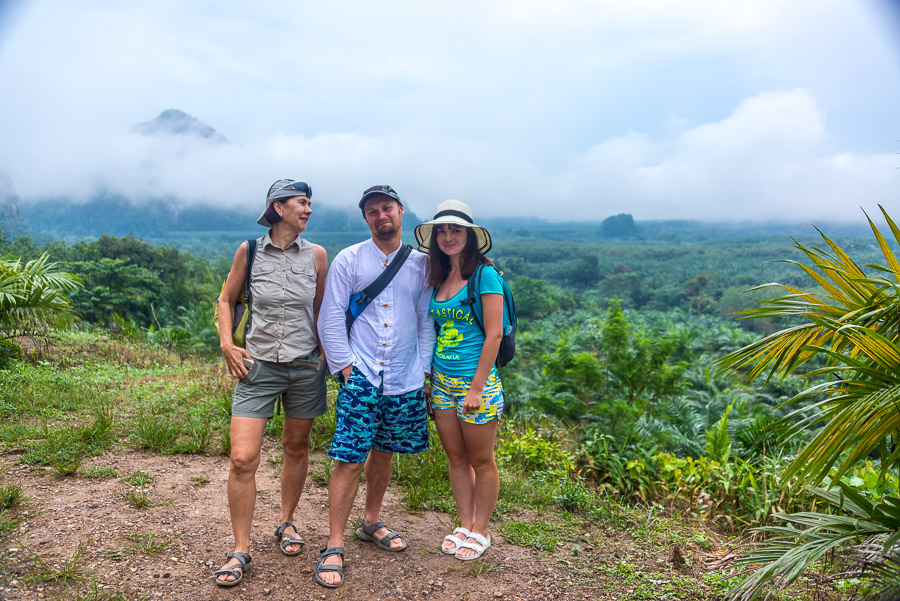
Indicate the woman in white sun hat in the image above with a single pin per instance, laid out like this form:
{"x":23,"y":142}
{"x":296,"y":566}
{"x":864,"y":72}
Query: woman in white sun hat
{"x":467,"y":396}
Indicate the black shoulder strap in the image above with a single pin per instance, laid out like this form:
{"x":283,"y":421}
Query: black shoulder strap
{"x":470,"y":294}
{"x":251,"y":255}
{"x":381,"y":282}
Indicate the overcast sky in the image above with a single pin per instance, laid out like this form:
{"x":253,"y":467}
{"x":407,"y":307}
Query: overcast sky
{"x":764,"y":109}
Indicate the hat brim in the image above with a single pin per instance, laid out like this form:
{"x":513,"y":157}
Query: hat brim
{"x":424,"y":231}
{"x":373,"y":194}
{"x":262,"y":216}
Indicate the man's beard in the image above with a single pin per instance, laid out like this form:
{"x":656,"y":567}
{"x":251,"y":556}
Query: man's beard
{"x":386,"y":231}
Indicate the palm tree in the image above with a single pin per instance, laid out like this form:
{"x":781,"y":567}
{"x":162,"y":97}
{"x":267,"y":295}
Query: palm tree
{"x":851,"y":326}
{"x":33,"y":297}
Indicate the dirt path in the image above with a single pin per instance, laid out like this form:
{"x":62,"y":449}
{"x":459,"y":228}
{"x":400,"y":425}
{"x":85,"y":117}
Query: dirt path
{"x":75,"y":510}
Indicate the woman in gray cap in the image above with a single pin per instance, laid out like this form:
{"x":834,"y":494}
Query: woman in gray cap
{"x":282,"y":360}
{"x":466,"y":392}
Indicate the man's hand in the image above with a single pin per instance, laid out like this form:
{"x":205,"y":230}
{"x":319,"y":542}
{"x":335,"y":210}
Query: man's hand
{"x":429,"y":409}
{"x":346,"y":373}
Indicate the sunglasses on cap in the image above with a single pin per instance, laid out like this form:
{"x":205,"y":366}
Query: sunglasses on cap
{"x":300,"y":187}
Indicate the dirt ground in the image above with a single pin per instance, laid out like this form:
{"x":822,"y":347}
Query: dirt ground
{"x":67,"y":511}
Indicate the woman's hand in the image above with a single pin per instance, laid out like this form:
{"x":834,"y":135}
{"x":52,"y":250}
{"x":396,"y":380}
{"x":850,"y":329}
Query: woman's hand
{"x":234,"y":357}
{"x":473,"y":401}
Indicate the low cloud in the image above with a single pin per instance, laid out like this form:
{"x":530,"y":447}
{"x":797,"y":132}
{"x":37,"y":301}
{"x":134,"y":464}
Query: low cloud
{"x":771,"y":159}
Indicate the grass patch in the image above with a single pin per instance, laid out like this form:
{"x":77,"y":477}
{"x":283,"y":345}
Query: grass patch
{"x":199,"y":480}
{"x":654,"y":585}
{"x":12,"y":497}
{"x":155,"y":433}
{"x":148,"y":544}
{"x":138,"y":479}
{"x":71,"y":569}
{"x":425,"y":478}
{"x":323,"y":428}
{"x":94,"y":593}
{"x":535,"y":534}
{"x":137,"y":498}
{"x":322,"y":472}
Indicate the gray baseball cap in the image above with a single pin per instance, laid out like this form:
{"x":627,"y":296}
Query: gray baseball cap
{"x":283,"y":188}
{"x":380,"y":190}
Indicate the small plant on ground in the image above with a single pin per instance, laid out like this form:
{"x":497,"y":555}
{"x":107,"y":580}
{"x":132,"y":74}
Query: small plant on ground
{"x":137,"y":498}
{"x":138,"y":479}
{"x":148,"y":544}
{"x":12,"y":497}
{"x":199,"y":480}
{"x":322,"y":473}
{"x":71,"y":569}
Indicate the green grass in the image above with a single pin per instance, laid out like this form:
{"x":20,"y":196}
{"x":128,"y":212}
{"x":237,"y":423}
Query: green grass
{"x":137,"y":498}
{"x":536,"y":534}
{"x":426,"y":485}
{"x":70,"y":570}
{"x":199,"y":480}
{"x":148,"y":544}
{"x":639,"y":585}
{"x":138,"y":479}
{"x":12,"y":498}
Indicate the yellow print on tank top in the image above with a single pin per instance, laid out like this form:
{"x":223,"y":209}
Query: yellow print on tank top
{"x":449,"y":336}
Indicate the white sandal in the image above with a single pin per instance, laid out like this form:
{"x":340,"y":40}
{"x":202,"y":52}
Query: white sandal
{"x":479,"y":547}
{"x":456,"y":540}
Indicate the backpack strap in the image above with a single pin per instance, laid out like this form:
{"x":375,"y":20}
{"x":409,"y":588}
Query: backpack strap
{"x":360,"y":300}
{"x":470,"y":294}
{"x":251,"y":255}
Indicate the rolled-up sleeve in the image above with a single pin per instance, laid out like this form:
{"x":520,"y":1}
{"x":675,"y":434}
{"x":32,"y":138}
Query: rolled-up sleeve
{"x":332,"y":324}
{"x":425,"y":334}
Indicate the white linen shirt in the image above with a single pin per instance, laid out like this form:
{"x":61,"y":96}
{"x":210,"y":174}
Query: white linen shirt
{"x":392,"y":340}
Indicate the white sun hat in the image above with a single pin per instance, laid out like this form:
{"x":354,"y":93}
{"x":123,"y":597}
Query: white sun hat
{"x":456,"y":213}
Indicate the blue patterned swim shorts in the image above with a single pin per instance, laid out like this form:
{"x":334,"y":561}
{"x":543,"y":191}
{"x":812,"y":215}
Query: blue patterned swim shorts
{"x":449,"y":392}
{"x":368,"y":420}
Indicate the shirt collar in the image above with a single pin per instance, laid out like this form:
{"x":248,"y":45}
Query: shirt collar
{"x":380,"y":254}
{"x":267,"y":241}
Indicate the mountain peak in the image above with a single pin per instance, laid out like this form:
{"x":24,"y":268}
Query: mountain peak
{"x":177,"y":123}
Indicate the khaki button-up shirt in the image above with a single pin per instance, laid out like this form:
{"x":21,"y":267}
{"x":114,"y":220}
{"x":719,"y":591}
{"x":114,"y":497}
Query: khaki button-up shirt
{"x":282,"y":289}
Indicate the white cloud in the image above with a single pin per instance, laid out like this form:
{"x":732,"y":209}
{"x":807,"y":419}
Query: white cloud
{"x":563,"y":109}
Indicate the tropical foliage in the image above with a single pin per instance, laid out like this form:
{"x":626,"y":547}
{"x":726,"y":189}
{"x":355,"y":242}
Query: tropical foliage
{"x":33,"y":297}
{"x":851,"y":323}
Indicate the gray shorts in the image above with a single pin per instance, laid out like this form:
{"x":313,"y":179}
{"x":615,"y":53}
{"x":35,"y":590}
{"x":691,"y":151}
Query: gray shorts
{"x":301,"y":384}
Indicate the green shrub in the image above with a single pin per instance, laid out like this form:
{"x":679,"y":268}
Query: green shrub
{"x":532,"y":451}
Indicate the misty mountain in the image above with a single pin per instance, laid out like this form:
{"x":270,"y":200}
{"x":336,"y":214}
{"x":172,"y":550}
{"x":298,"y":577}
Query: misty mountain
{"x":115,"y":214}
{"x":11,"y":223}
{"x":176,"y":123}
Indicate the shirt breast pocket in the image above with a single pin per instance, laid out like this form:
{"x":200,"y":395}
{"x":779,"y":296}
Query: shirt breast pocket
{"x":264,"y":277}
{"x":302,"y":283}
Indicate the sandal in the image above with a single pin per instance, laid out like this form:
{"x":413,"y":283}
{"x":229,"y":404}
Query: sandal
{"x":287,"y":540}
{"x":323,"y":567}
{"x":236,"y":570}
{"x":365,"y":532}
{"x":479,"y":547}
{"x":456,"y":540}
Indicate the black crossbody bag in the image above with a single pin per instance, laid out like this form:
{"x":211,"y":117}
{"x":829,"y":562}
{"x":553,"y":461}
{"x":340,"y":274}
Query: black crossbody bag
{"x":360,"y":300}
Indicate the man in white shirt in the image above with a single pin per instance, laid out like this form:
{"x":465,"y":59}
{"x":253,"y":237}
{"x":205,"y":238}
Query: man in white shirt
{"x":381,"y":402}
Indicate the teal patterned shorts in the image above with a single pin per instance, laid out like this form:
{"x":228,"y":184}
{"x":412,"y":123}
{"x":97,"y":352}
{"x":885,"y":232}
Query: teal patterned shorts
{"x":368,"y":420}
{"x":449,"y":392}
